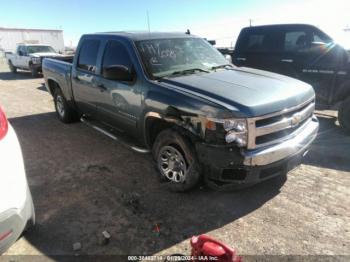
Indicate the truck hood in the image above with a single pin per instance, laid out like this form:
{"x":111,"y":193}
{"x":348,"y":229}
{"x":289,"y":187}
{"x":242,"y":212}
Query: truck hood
{"x":50,"y":54}
{"x":248,"y":92}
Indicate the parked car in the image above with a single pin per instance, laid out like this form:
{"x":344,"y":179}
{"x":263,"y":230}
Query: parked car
{"x":29,"y":57}
{"x":176,"y":95}
{"x":16,"y":205}
{"x":304,"y":52}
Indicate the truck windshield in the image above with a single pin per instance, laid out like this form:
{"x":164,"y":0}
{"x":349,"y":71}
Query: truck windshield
{"x":40,"y":49}
{"x":166,"y":57}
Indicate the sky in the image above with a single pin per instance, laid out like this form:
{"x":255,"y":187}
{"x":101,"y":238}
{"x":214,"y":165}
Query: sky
{"x":220,"y":20}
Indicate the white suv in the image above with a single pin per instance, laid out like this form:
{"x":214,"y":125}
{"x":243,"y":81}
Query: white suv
{"x":16,"y":205}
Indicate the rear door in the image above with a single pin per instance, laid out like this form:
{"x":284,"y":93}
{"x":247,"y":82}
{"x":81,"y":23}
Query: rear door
{"x":257,"y":48}
{"x":84,"y":76}
{"x":119,"y":101}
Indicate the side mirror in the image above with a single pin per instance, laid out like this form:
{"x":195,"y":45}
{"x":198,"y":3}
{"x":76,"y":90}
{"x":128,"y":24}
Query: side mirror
{"x":118,"y":72}
{"x":228,"y":58}
{"x":212,"y":42}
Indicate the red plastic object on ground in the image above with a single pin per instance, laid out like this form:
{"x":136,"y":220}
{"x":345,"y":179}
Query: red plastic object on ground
{"x":204,"y":246}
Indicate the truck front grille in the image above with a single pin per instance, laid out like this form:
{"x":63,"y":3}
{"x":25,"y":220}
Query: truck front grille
{"x":278,"y":127}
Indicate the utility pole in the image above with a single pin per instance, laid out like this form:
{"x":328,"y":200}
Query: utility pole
{"x":250,"y":22}
{"x":149,"y":27}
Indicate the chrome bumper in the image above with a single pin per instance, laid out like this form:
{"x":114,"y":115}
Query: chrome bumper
{"x":271,"y":154}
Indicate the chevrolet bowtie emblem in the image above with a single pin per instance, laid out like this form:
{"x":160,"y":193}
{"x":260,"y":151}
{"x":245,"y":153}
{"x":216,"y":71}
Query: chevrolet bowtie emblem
{"x":296,"y":119}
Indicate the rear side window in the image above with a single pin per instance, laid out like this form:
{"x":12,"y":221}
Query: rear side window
{"x":88,"y":55}
{"x":257,"y":41}
{"x":116,"y":54}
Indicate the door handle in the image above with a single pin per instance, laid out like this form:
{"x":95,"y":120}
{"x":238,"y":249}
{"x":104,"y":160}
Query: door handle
{"x":102,"y":87}
{"x":287,"y":60}
{"x":241,"y":59}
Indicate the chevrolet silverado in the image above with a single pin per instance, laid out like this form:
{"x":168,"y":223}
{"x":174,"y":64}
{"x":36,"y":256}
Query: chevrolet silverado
{"x":176,"y":96}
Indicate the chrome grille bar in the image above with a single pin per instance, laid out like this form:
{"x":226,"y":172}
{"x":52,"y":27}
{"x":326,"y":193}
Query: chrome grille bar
{"x":286,"y":123}
{"x":302,"y":113}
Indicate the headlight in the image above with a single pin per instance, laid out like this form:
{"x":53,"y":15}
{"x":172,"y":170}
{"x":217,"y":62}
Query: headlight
{"x":36,"y":60}
{"x":235,"y":130}
{"x":236,"y":124}
{"x":239,"y":137}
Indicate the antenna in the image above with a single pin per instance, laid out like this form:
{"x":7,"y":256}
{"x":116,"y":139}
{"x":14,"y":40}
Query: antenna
{"x":149,"y":26}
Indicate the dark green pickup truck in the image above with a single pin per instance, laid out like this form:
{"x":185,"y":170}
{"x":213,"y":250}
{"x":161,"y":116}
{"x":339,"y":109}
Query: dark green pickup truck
{"x":173,"y":94}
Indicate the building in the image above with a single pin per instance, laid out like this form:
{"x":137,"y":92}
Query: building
{"x":10,"y":37}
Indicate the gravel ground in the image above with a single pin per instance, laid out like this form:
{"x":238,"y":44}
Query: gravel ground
{"x":84,"y":183}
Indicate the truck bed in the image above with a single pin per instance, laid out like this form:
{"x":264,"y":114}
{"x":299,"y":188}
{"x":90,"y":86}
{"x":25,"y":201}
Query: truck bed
{"x":59,"y":71}
{"x":66,"y":58}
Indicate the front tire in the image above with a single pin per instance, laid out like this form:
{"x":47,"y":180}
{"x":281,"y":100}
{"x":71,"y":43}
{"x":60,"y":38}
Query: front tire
{"x":344,"y":114}
{"x":34,"y":72}
{"x":64,"y":112}
{"x":13,"y":69}
{"x":176,"y":161}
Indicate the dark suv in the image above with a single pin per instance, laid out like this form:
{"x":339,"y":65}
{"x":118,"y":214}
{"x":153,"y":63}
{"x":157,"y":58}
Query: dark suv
{"x":303,"y":52}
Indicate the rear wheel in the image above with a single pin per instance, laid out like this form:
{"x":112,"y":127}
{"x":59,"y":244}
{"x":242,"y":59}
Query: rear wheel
{"x":344,"y":114}
{"x":176,"y":161}
{"x":64,"y":112}
{"x":13,"y":69}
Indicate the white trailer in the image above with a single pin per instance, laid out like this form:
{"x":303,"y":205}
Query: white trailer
{"x":11,"y":37}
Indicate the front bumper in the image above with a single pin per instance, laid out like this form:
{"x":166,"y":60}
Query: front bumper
{"x":225,"y":165}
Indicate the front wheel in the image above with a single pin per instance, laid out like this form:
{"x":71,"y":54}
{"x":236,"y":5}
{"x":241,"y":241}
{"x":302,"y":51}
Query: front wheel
{"x":34,"y":72}
{"x":344,"y":114}
{"x":64,"y":112}
{"x":176,"y":161}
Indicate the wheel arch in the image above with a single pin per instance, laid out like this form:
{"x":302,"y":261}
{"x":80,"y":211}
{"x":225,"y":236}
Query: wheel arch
{"x":52,"y":84}
{"x":155,"y":122}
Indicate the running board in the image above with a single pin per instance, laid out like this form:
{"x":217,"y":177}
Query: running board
{"x":115,"y":137}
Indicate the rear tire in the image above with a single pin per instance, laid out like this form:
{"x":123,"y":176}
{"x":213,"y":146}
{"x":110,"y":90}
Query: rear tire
{"x":13,"y":69}
{"x":344,"y":114}
{"x":176,"y":161}
{"x":64,"y":112}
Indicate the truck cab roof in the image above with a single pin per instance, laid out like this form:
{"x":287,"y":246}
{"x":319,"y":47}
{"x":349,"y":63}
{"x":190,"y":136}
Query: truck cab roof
{"x":142,"y":35}
{"x":280,"y":26}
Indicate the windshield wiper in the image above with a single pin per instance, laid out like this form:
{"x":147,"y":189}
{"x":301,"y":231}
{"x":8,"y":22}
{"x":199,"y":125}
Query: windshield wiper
{"x":221,"y":66}
{"x":188,"y":71}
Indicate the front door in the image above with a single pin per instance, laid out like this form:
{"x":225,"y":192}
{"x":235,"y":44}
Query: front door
{"x":119,"y":102}
{"x":315,"y":59}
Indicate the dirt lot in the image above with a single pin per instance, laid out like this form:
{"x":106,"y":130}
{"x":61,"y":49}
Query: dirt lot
{"x":84,"y":183}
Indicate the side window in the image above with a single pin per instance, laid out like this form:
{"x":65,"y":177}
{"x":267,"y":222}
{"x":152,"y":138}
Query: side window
{"x":260,"y":41}
{"x":116,"y":54}
{"x":20,"y":49}
{"x":88,"y":55}
{"x":319,"y":38}
{"x":255,"y":41}
{"x":295,"y":40}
